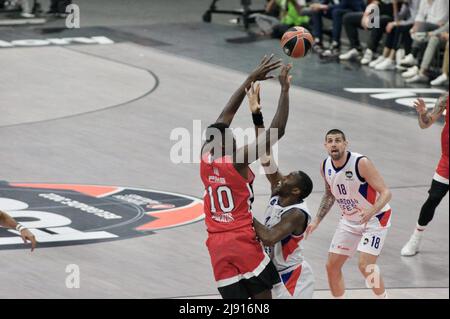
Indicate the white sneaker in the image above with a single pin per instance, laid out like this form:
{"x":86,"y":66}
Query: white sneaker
{"x":419,"y":78}
{"x":400,"y":68}
{"x":411,"y":72}
{"x":377,"y":61}
{"x":386,"y":64}
{"x":409,"y":60}
{"x":412,"y":246}
{"x":368,"y":56}
{"x":440,"y":80}
{"x":353,"y":53}
{"x":399,"y":55}
{"x":420,"y":37}
{"x":27,"y":15}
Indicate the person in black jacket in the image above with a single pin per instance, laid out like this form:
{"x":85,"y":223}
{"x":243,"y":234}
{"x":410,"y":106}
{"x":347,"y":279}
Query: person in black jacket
{"x":334,"y":10}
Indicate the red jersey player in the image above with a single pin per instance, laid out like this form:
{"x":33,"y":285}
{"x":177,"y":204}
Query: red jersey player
{"x":241,"y":267}
{"x":439,"y":185}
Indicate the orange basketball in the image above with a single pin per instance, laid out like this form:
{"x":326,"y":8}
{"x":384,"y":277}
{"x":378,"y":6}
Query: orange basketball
{"x":296,"y":42}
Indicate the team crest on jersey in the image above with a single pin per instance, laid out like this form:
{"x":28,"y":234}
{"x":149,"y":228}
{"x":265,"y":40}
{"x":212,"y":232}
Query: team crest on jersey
{"x":349,"y":174}
{"x":63,"y":214}
{"x":329,"y":172}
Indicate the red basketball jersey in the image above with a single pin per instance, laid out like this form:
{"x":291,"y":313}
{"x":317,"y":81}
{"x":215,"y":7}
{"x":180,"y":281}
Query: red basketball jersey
{"x":228,"y":196}
{"x":444,"y":135}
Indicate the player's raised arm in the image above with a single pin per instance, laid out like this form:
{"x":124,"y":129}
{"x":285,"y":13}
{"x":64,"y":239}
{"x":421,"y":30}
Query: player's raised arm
{"x":267,"y":161}
{"x":325,"y":206}
{"x":259,"y":74}
{"x":9,"y":222}
{"x":251,"y":152}
{"x":427,"y":118}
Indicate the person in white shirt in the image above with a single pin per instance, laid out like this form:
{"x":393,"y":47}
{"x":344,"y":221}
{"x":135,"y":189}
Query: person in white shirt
{"x":432,"y":15}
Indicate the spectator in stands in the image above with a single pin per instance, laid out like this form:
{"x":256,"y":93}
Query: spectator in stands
{"x":397,"y":34}
{"x":289,"y":14}
{"x":334,"y":10}
{"x":355,"y":20}
{"x":443,"y":78}
{"x":437,"y":39}
{"x":432,"y":15}
{"x":27,"y":8}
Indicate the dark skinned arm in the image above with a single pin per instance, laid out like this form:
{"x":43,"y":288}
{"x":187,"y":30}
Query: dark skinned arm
{"x":267,"y":161}
{"x":259,"y":74}
{"x":293,"y":221}
{"x":251,"y":152}
{"x":9,"y":222}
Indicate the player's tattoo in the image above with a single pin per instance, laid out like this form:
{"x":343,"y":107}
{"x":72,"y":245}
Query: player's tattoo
{"x":426,"y":118}
{"x":325,"y":205}
{"x":440,"y":105}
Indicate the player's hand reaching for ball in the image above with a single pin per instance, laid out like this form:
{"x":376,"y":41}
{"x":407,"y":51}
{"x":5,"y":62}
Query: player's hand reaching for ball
{"x":285,"y":77}
{"x":253,"y":98}
{"x":265,"y":66}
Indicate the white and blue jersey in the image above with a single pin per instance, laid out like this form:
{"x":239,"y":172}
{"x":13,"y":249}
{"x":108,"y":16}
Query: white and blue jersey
{"x":287,"y":255}
{"x":351,"y":191}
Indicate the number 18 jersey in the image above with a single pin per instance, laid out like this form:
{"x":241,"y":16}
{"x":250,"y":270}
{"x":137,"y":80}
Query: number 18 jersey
{"x":351,"y":191}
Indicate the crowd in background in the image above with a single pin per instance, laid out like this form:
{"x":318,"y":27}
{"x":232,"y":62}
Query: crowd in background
{"x":409,"y":36}
{"x":29,"y":8}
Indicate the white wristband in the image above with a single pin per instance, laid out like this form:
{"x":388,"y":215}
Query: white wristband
{"x":20,"y":227}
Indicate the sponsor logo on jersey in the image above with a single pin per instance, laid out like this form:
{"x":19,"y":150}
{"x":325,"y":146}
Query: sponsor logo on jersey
{"x":66,"y":214}
{"x":366,"y":241}
{"x":349,"y":174}
{"x":329,"y":172}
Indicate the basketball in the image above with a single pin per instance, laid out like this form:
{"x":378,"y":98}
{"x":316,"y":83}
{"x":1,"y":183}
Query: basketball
{"x":296,"y":42}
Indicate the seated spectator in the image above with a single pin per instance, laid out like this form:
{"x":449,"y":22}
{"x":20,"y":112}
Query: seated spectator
{"x":443,"y":78}
{"x":437,"y":39}
{"x":334,"y":10}
{"x":27,"y":8}
{"x":361,"y":20}
{"x":289,"y":15}
{"x":432,"y":14}
{"x":397,"y":34}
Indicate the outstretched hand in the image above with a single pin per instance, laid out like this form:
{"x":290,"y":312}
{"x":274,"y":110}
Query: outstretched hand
{"x":264,"y":67}
{"x":420,"y":106}
{"x":254,"y":98}
{"x":285,"y":77}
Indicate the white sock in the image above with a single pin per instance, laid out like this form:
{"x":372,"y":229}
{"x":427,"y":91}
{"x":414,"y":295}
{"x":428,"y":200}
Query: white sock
{"x":384,"y":295}
{"x":419,"y":230}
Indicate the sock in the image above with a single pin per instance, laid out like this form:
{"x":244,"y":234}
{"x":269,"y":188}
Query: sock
{"x":419,"y":230}
{"x":384,"y":295}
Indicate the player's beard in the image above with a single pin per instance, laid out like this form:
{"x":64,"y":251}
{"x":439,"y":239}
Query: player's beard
{"x":336,"y":156}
